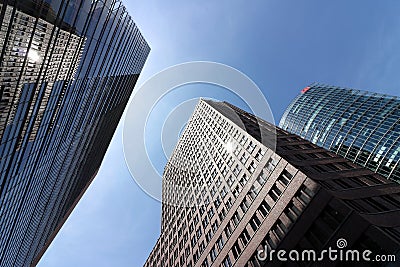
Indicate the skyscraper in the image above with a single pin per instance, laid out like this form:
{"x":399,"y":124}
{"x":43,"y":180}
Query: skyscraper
{"x":67,"y":70}
{"x":227,"y":195}
{"x":361,"y":126}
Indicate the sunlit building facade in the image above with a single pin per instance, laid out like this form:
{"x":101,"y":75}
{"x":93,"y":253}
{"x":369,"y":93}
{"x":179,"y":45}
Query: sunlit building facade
{"x":67,"y":70}
{"x":361,"y":126}
{"x":227,"y":195}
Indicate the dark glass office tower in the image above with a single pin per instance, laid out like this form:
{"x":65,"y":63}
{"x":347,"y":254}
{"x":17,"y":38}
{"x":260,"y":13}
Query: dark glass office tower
{"x":67,"y":69}
{"x":227,"y":195}
{"x":361,"y":126}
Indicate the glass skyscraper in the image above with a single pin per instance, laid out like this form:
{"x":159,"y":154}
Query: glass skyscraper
{"x":361,"y":126}
{"x":67,"y":69}
{"x":228,"y":193}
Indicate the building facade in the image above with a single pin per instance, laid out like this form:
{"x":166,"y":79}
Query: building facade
{"x":361,"y":126}
{"x":227,"y":196}
{"x":67,"y":70}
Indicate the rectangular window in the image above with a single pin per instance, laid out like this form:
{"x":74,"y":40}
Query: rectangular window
{"x":213,"y":254}
{"x":245,"y":237}
{"x":228,"y":230}
{"x":228,"y":203}
{"x":198,"y":232}
{"x":285,"y":177}
{"x":223,"y":192}
{"x":271,"y":164}
{"x":209,"y":235}
{"x":202,"y":246}
{"x":255,"y":222}
{"x":215,"y":226}
{"x":222,"y":214}
{"x":275,"y":193}
{"x":236,"y":218}
{"x":220,"y":242}
{"x":236,"y":250}
{"x":264,"y":208}
{"x":227,"y":262}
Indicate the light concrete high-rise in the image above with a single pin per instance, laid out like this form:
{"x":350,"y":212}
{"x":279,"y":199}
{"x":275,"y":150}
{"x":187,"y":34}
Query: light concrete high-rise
{"x":236,"y":184}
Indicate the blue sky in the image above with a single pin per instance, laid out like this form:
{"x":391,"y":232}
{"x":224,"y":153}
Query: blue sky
{"x":281,"y":45}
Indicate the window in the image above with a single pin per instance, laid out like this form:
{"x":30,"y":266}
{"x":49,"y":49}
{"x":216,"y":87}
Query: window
{"x":237,"y":170}
{"x":236,"y":218}
{"x":187,"y":251}
{"x":209,"y":235}
{"x":211,"y":213}
{"x":205,"y":222}
{"x":251,"y":147}
{"x":243,"y":140}
{"x":220,"y":242}
{"x":244,"y":158}
{"x":285,"y":177}
{"x":194,"y":241}
{"x":253,"y":192}
{"x":222,"y":214}
{"x":223,"y":191}
{"x":236,"y":250}
{"x":271,"y":164}
{"x":182,"y":261}
{"x":207,"y":201}
{"x":252,"y":167}
{"x":260,"y":154}
{"x":264,"y":208}
{"x":245,"y":237}
{"x":227,"y":262}
{"x":228,"y":230}
{"x":218,"y":182}
{"x":236,"y":191}
{"x":215,"y":226}
{"x":185,"y":237}
{"x":275,"y":193}
{"x":224,"y":171}
{"x":202,"y":246}
{"x":255,"y":222}
{"x":228,"y":203}
{"x":212,"y":190}
{"x":305,"y":195}
{"x":243,"y":180}
{"x":244,"y":206}
{"x":217,"y":202}
{"x":196,"y":256}
{"x":213,"y":254}
{"x":230,"y":180}
{"x":261,"y":179}
{"x":237,"y":150}
{"x":230,"y":161}
{"x":202,"y":209}
{"x":198,"y":232}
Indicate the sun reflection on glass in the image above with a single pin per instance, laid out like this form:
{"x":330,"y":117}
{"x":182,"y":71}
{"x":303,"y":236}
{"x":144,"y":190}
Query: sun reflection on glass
{"x":33,"y":55}
{"x":230,"y":146}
